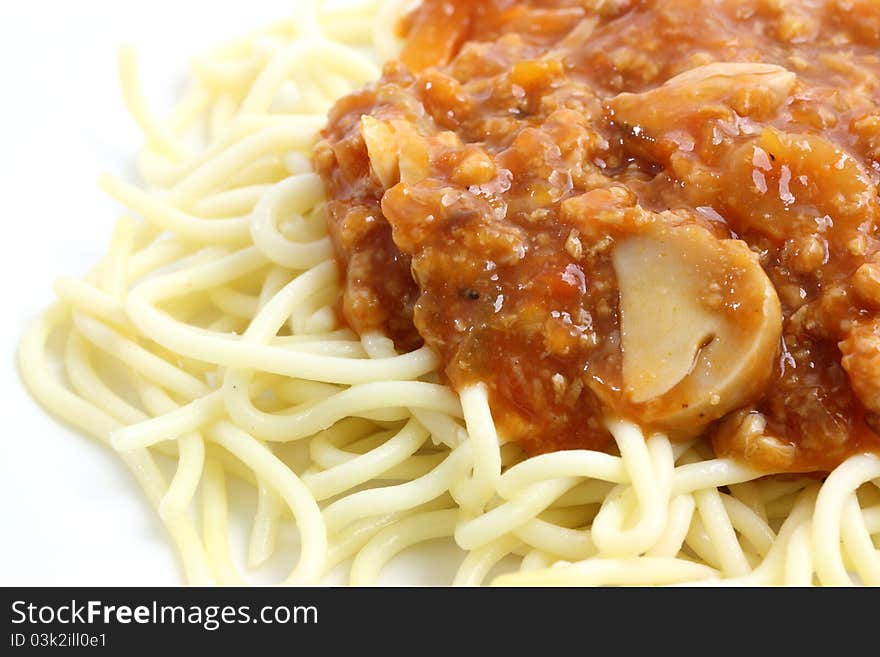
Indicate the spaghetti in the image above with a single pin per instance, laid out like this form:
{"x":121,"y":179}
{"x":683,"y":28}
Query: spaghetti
{"x":209,"y":335}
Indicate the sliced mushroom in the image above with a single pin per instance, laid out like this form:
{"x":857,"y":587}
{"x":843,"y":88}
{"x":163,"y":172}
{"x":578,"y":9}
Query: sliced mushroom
{"x":381,"y":149}
{"x":700,"y":325}
{"x":397,"y":152}
{"x":669,"y":118}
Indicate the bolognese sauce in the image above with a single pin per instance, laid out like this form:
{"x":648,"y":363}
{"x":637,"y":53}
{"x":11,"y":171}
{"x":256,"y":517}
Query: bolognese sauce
{"x":663,"y":210}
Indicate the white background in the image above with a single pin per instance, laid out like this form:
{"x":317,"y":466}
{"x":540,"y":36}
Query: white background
{"x":69,"y":511}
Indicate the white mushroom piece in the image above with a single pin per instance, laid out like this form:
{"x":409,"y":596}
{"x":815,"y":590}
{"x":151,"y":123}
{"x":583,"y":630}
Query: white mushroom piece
{"x":396,"y":151}
{"x":668,"y":118}
{"x":700,"y":326}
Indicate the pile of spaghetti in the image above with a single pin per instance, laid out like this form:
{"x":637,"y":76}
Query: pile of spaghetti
{"x":209,"y":335}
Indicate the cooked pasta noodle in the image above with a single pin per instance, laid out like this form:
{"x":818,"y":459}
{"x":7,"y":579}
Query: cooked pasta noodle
{"x":214,"y":308}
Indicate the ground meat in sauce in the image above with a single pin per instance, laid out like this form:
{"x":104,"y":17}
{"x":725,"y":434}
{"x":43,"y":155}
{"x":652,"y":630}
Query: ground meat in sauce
{"x":532,"y":137}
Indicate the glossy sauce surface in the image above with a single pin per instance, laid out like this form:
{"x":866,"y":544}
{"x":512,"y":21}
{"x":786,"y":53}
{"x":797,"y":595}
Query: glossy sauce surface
{"x":491,"y":194}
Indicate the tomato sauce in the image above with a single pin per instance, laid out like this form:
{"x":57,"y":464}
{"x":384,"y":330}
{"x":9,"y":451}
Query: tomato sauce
{"x":480,"y":195}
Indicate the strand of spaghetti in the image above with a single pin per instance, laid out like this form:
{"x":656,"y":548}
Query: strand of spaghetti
{"x":170,"y":424}
{"x":230,"y":202}
{"x":536,"y":560}
{"x":95,"y":422}
{"x":872,"y":519}
{"x":312,"y":95}
{"x":251,"y":41}
{"x":348,"y":542}
{"x":228,"y":230}
{"x":164,"y":175}
{"x":343,"y":452}
{"x":327,"y":455}
{"x":692,"y":477}
{"x":841,"y":483}
{"x":649,"y":465}
{"x":320,"y":89}
{"x":721,"y":533}
{"x":780,"y":508}
{"x":698,"y":541}
{"x":275,"y":281}
{"x":774,"y":489}
{"x":115,"y":266}
{"x":264,"y":531}
{"x":221,"y":122}
{"x":778,"y":566}
{"x":322,"y":319}
{"x":414,"y":467}
{"x":337,"y":348}
{"x":159,"y":254}
{"x":145,"y":236}
{"x":798,"y":564}
{"x":284,"y":63}
{"x":678,"y":520}
{"x":323,"y":447}
{"x":749,"y":494}
{"x":214,"y":172}
{"x":190,"y":464}
{"x":442,"y":427}
{"x":378,"y":501}
{"x":478,"y":563}
{"x":569,"y":544}
{"x":298,"y":391}
{"x":298,"y":163}
{"x":472,"y":494}
{"x":180,"y":528}
{"x":331,"y":84}
{"x":199,"y":344}
{"x":291,"y":197}
{"x":275,"y":312}
{"x":137,"y":358}
{"x":572,"y":463}
{"x":233,"y":302}
{"x":269,"y":468}
{"x":268,"y":169}
{"x":368,"y":466}
{"x":483,"y":529}
{"x":211,"y":268}
{"x":70,"y":407}
{"x":190,"y":452}
{"x":312,"y":417}
{"x":749,"y":524}
{"x":193,"y":105}
{"x":89,"y":386}
{"x":606,"y":572}
{"x":215,"y":515}
{"x":225,"y":324}
{"x":385,"y":40}
{"x":87,"y":298}
{"x":157,"y":136}
{"x":349,"y":24}
{"x":591,"y":491}
{"x":393,"y":540}
{"x":858,"y":544}
{"x":308,"y":24}
{"x":219,"y":75}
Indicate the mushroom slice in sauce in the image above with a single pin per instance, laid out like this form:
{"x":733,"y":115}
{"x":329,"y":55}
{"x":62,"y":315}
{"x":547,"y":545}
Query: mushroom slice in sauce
{"x":700,"y":325}
{"x":397,"y":152}
{"x":667,"y":119}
